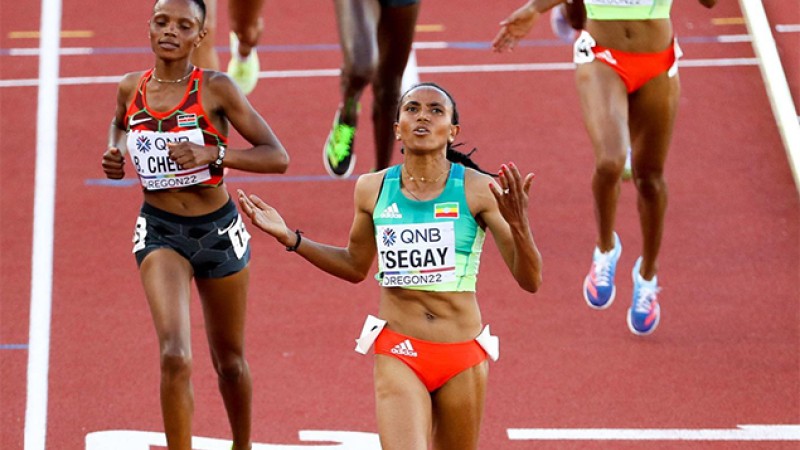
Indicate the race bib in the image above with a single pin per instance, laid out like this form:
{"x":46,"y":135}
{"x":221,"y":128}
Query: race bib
{"x":582,"y":49}
{"x":416,"y":255}
{"x":150,"y":155}
{"x":673,"y":70}
{"x":238,"y":235}
{"x":139,"y":233}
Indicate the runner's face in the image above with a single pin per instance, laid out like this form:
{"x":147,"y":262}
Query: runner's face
{"x":425,"y":121}
{"x":175,"y":28}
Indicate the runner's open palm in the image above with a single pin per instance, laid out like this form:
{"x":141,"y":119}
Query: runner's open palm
{"x":512,"y":197}
{"x":264,"y":216}
{"x":513,"y":29}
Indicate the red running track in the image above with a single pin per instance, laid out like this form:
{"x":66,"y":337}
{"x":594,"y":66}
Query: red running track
{"x":726,"y":353}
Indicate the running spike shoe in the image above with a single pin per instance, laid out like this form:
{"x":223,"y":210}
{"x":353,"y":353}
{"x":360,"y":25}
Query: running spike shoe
{"x":338,"y":154}
{"x":644,"y":313}
{"x":243,"y":71}
{"x":598,"y":286}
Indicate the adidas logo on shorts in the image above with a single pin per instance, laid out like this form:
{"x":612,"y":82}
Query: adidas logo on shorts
{"x":391,"y":212}
{"x":405,"y":349}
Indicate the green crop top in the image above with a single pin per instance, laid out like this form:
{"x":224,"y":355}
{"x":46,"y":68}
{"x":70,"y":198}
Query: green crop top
{"x":432,"y":245}
{"x":627,"y":9}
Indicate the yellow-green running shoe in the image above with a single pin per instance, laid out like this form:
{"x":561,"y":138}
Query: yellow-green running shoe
{"x":244,"y":72}
{"x":338,"y":155}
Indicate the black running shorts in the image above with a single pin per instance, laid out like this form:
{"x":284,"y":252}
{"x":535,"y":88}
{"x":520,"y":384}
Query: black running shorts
{"x":216,"y":244}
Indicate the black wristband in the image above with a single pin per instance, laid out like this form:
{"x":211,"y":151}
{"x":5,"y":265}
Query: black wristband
{"x":293,"y":248}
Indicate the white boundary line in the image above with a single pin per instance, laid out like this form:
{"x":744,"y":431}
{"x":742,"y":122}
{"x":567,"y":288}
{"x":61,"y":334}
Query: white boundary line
{"x":788,"y":28}
{"x":476,"y":68}
{"x":740,"y":433}
{"x":43,"y":220}
{"x":775,"y":81}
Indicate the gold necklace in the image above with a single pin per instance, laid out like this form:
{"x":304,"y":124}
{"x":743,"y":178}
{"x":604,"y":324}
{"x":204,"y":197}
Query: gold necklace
{"x":423,"y":179}
{"x":179,"y":80}
{"x":413,"y":195}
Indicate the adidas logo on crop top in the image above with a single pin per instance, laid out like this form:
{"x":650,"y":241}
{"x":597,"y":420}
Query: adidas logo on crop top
{"x":149,"y":132}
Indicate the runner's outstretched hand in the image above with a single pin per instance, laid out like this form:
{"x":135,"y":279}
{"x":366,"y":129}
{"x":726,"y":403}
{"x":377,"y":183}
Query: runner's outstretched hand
{"x":514,"y":27}
{"x":512,"y":194}
{"x":266,"y":218}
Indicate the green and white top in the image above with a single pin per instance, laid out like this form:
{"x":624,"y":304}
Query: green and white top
{"x":432,"y":245}
{"x":627,"y":9}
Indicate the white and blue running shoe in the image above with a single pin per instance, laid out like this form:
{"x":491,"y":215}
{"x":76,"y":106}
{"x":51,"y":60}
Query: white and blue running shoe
{"x":598,"y":286}
{"x":644,"y":313}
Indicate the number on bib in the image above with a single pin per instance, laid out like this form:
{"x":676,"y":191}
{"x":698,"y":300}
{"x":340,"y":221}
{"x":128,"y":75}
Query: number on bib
{"x":139,"y":233}
{"x":582,"y":50}
{"x":239,"y":237}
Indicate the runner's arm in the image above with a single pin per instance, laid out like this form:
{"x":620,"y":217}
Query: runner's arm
{"x":114,"y":156}
{"x":519,"y":23}
{"x":506,"y":216}
{"x":227,"y":102}
{"x":351,"y":263}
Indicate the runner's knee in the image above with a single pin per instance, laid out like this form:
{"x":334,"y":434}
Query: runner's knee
{"x":231,"y":369}
{"x":650,"y":184}
{"x":176,"y":364}
{"x":610,"y":165}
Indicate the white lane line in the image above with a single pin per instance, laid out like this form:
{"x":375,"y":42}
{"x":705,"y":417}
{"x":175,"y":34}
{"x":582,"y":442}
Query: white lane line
{"x":775,"y":81}
{"x":788,"y":28}
{"x":740,"y":433}
{"x":43,"y":220}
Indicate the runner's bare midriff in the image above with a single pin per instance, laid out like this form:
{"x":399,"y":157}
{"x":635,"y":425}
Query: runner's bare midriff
{"x":431,"y":316}
{"x":195,"y":201}
{"x":635,"y":36}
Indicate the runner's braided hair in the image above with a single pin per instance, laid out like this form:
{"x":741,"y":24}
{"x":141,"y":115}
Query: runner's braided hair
{"x":453,"y":155}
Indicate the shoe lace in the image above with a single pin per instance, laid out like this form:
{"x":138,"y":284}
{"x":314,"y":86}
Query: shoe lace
{"x":602,"y":269}
{"x":342,"y":139}
{"x":645,"y":296}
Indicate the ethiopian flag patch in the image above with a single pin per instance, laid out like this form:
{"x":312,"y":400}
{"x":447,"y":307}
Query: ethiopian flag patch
{"x":445,"y":210}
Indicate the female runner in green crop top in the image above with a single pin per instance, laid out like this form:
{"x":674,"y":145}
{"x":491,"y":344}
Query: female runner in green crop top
{"x":415,"y":410}
{"x":629,"y":89}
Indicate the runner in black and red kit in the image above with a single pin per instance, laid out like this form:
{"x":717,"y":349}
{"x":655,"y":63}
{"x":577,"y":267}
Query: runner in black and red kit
{"x":173,"y":120}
